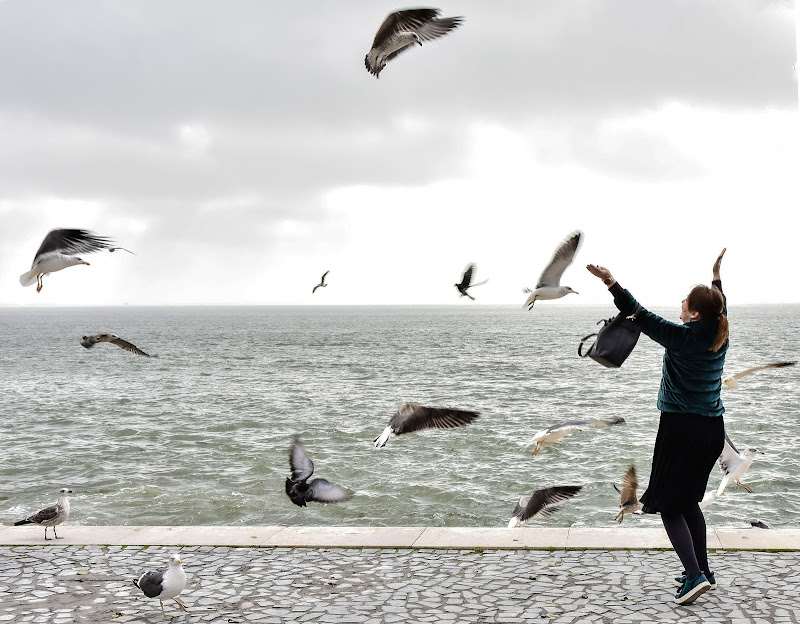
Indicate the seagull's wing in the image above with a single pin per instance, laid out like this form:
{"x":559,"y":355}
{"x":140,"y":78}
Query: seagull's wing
{"x":607,"y":422}
{"x":435,"y":28}
{"x":729,"y":461}
{"x":547,"y":501}
{"x":573,"y":425}
{"x":322,"y":281}
{"x":324,"y":491}
{"x":409,"y":20}
{"x":151,"y":583}
{"x":466,"y":277}
{"x":300,"y":463}
{"x":478,"y":283}
{"x":71,"y":242}
{"x":630,"y":483}
{"x":48,"y":513}
{"x":124,"y":344}
{"x":562,"y":258}
{"x":749,"y":371}
{"x":414,"y":417}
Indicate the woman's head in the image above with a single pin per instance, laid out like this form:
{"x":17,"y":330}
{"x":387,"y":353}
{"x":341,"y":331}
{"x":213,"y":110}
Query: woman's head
{"x":706,"y":303}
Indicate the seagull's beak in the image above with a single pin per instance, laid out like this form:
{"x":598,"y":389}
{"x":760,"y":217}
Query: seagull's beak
{"x":86,"y":263}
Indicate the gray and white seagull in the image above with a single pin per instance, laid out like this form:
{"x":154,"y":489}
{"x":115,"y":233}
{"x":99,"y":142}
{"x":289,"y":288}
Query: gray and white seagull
{"x":321,"y":284}
{"x":164,"y":584}
{"x":59,"y":251}
{"x":51,"y":516}
{"x":466,"y":281}
{"x":542,"y":502}
{"x":734,"y":464}
{"x":414,"y":417}
{"x":549,"y":284}
{"x":402,"y":30}
{"x":553,"y":434}
{"x":628,"y":498}
{"x":93,"y":339}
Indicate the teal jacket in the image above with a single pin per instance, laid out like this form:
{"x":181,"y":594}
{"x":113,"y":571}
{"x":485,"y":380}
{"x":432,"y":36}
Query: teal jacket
{"x":691,"y":374}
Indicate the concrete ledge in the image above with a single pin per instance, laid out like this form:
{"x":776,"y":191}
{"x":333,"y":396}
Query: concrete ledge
{"x":394,"y":537}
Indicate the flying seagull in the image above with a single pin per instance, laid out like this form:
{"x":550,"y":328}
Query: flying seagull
{"x":51,"y":516}
{"x":321,"y":283}
{"x":734,"y":464}
{"x":58,"y":251}
{"x":402,"y":30}
{"x":628,"y":499}
{"x":93,"y":339}
{"x":549,"y":286}
{"x":732,"y":382}
{"x":302,"y":492}
{"x":542,"y":502}
{"x":553,"y":434}
{"x":164,"y":584}
{"x":415,"y":417}
{"x":466,"y":281}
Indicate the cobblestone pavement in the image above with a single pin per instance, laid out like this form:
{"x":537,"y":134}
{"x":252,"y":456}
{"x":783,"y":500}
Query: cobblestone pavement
{"x":65,"y":584}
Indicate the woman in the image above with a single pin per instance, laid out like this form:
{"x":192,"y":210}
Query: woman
{"x":691,"y":430}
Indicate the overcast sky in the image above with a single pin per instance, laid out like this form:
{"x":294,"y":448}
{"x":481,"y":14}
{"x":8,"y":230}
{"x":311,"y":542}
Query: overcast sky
{"x":241,"y":149}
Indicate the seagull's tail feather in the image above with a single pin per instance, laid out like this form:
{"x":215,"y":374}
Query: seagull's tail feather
{"x":381,"y":440}
{"x":22,"y":522}
{"x":29,"y":278}
{"x":136,"y":582}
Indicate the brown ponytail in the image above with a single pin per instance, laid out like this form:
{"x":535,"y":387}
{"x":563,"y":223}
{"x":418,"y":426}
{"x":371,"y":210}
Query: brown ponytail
{"x":709,"y":303}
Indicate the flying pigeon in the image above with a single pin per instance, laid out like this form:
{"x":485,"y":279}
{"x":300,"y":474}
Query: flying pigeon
{"x":300,"y":491}
{"x":466,"y":281}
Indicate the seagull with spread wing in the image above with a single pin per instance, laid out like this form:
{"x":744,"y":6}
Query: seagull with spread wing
{"x":732,"y":382}
{"x":93,"y":339}
{"x":734,"y":464}
{"x":59,"y":251}
{"x":553,"y":434}
{"x":466,"y":281}
{"x":300,"y":490}
{"x":51,"y":516}
{"x":542,"y":502}
{"x":321,"y":284}
{"x":628,"y":499}
{"x":414,"y":417}
{"x":549,"y":285}
{"x":402,"y":30}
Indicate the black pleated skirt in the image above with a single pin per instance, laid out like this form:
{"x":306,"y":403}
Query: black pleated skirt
{"x":686,"y":450}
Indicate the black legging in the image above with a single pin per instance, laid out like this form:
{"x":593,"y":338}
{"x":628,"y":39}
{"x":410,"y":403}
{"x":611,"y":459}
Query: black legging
{"x":687,"y":532}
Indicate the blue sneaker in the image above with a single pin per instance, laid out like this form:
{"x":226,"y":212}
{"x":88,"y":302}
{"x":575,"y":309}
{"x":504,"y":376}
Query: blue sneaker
{"x":692,"y":589}
{"x":678,"y":581}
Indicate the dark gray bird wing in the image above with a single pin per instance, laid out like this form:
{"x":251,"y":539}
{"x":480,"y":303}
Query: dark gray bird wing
{"x":414,"y":417}
{"x":627,"y":495}
{"x":48,"y":513}
{"x":71,"y":242}
{"x":466,"y":277}
{"x":300,"y":463}
{"x":562,"y":258}
{"x":323,"y":491}
{"x":547,"y":501}
{"x":151,"y":583}
{"x":607,"y":422}
{"x":124,"y":344}
{"x":409,"y":20}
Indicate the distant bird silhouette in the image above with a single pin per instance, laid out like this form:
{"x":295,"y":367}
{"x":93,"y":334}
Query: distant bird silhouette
{"x":628,"y":499}
{"x":58,"y":250}
{"x":321,"y":284}
{"x":542,"y":502}
{"x":732,"y":382}
{"x":734,"y":464}
{"x":466,"y":281}
{"x":553,"y":434}
{"x":402,"y":30}
{"x":414,"y":417}
{"x":51,"y":516}
{"x":300,"y":491}
{"x":93,"y":339}
{"x":549,"y":286}
{"x":164,"y":584}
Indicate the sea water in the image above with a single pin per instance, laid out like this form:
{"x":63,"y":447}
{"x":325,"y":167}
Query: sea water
{"x":200,"y":433}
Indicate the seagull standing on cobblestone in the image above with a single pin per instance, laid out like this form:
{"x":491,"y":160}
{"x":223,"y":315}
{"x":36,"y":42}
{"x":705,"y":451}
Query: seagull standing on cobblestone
{"x":51,"y":516}
{"x":164,"y":584}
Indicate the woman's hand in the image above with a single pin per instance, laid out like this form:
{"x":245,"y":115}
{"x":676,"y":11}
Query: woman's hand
{"x":715,"y":268}
{"x":599,"y":271}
